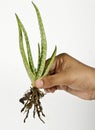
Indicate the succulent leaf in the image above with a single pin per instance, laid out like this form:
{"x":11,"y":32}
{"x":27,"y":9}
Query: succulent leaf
{"x":39,"y":56}
{"x":43,"y":43}
{"x":24,"y":57}
{"x":30,"y":59}
{"x":50,"y":62}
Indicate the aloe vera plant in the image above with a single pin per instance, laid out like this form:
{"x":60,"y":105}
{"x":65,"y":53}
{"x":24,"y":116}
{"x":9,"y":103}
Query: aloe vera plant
{"x":33,"y":96}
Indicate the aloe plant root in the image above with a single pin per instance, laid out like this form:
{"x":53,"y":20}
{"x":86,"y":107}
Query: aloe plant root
{"x":31,"y":99}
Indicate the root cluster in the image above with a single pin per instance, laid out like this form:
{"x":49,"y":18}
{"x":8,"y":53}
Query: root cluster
{"x":31,"y":99}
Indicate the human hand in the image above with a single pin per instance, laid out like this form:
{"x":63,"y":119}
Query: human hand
{"x":67,"y":73}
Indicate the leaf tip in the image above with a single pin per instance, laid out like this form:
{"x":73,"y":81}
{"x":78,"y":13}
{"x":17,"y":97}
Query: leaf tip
{"x":33,"y":3}
{"x":16,"y":16}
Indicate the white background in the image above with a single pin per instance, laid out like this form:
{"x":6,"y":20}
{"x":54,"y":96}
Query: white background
{"x":69,"y":24}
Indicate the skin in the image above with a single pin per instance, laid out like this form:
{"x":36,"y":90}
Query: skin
{"x":70,"y":75}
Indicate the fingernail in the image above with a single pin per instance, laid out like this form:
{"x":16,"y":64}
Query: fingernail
{"x":39,"y":83}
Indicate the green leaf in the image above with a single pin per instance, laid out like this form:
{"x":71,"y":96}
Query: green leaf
{"x":25,"y":61}
{"x":30,"y":59}
{"x":43,"y":43}
{"x":39,"y":56}
{"x":47,"y":68}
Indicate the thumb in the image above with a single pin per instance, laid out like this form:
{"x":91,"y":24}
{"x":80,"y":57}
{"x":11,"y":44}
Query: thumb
{"x":50,"y":81}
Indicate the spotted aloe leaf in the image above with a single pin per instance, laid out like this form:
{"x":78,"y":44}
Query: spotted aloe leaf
{"x":39,"y":55}
{"x":47,"y":67}
{"x":43,"y":43}
{"x":30,"y":59}
{"x":41,"y":70}
{"x":22,"y":50}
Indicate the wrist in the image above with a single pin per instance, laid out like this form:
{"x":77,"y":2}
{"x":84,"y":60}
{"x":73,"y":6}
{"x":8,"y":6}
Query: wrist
{"x":91,"y":79}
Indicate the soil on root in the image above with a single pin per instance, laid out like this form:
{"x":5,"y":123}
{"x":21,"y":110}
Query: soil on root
{"x":31,"y":99}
